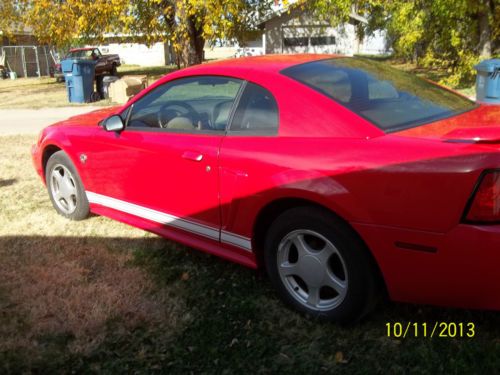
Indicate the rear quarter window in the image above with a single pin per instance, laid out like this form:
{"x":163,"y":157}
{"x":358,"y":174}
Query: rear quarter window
{"x":256,"y":113}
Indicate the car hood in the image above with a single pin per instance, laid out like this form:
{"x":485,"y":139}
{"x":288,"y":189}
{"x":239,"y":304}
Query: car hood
{"x":90,"y":118}
{"x":480,"y":125}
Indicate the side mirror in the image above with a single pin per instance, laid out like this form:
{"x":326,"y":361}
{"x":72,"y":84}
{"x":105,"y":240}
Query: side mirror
{"x":113,"y":124}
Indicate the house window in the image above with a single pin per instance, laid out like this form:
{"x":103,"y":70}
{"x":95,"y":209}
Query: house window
{"x":296,"y":42}
{"x":322,"y":40}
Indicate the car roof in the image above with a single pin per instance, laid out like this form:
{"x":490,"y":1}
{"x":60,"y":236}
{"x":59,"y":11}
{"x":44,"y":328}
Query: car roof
{"x":264,"y":63}
{"x":82,"y":49}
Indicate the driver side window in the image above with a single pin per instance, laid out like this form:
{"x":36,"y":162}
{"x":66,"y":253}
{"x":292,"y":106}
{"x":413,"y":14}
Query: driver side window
{"x":194,"y":104}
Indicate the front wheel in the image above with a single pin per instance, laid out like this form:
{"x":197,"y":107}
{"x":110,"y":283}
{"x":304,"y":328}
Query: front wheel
{"x":65,"y":187}
{"x":319,"y":266}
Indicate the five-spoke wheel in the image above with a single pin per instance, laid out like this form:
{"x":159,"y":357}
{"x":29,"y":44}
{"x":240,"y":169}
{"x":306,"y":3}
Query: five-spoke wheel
{"x":319,"y":265}
{"x":312,"y":269}
{"x":65,"y":187}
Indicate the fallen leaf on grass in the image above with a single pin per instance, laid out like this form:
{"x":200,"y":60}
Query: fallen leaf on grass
{"x":339,"y":358}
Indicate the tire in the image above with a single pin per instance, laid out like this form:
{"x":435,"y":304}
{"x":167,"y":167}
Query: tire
{"x":319,"y":266}
{"x":95,"y":97}
{"x":114,"y":70}
{"x":65,"y":187}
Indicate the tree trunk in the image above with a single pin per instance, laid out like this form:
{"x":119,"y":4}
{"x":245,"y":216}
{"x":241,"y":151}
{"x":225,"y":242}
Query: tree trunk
{"x":196,"y":43}
{"x":188,"y":50}
{"x":484,"y":15}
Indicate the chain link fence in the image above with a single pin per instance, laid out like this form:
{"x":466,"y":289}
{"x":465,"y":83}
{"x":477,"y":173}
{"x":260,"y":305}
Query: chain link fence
{"x":28,"y":61}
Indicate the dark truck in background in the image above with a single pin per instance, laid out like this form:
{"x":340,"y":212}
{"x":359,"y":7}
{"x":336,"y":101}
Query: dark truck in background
{"x":105,"y":63}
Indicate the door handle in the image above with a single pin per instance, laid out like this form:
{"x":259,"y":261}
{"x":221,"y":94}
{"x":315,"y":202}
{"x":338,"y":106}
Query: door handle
{"x":194,"y":156}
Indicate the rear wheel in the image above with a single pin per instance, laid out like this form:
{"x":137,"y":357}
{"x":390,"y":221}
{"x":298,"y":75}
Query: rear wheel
{"x":114,"y":70}
{"x":65,"y":187}
{"x":319,"y":266}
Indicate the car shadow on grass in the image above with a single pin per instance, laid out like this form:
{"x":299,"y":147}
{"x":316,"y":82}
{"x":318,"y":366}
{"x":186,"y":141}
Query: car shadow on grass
{"x":92,"y":304}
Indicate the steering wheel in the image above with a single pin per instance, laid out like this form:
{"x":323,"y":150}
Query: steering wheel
{"x":165,"y":114}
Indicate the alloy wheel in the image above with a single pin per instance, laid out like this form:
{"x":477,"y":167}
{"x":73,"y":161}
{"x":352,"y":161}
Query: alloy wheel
{"x":312,"y":270}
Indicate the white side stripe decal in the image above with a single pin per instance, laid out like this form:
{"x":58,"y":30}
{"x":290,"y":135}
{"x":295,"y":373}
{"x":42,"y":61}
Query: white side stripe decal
{"x":163,"y":218}
{"x":236,"y":240}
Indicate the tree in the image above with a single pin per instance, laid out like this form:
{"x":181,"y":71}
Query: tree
{"x":187,"y":24}
{"x":449,"y":34}
{"x":9,"y":18}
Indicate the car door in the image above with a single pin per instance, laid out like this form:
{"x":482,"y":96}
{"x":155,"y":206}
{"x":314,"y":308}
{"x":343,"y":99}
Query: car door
{"x":100,"y":62}
{"x":164,"y":166}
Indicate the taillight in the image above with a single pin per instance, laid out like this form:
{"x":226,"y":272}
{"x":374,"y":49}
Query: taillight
{"x":485,"y":204}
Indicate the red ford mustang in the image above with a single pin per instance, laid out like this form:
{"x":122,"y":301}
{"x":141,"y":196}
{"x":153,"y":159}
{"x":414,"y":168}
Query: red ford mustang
{"x":343,"y":177}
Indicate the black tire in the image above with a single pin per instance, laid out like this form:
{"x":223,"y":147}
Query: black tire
{"x":114,"y":70}
{"x":72,"y":206}
{"x":95,"y":97}
{"x":350,"y":259}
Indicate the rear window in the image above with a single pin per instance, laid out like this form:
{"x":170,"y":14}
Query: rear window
{"x":80,"y":54}
{"x":389,"y":98}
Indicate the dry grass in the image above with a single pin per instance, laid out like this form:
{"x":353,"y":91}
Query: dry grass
{"x":35,"y":93}
{"x":32,"y":93}
{"x":59,"y":277}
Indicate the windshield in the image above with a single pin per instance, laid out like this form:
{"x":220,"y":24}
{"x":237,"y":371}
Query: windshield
{"x":389,"y":98}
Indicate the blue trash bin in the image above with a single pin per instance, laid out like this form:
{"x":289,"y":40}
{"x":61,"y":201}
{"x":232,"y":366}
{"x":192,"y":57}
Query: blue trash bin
{"x":79,"y":76}
{"x":488,"y":81}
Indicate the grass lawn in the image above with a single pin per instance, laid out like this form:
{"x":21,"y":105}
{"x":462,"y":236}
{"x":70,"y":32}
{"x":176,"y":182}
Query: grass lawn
{"x":45,"y":92}
{"x":100,"y":296}
{"x":434,"y":75}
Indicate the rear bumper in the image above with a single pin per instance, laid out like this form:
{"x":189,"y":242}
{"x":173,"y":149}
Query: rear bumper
{"x":464,"y":270}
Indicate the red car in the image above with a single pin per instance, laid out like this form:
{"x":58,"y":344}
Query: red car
{"x":344,"y":178}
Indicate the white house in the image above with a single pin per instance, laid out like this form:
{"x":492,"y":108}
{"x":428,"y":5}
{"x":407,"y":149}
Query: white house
{"x":296,"y":31}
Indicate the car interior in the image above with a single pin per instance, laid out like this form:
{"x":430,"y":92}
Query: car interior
{"x":197,"y":114}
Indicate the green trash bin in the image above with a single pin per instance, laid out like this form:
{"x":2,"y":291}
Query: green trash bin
{"x":79,"y":75}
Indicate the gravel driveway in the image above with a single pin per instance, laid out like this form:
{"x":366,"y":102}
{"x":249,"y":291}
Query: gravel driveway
{"x":31,"y":121}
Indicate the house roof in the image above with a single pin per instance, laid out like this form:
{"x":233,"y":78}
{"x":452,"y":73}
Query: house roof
{"x":281,"y":12}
